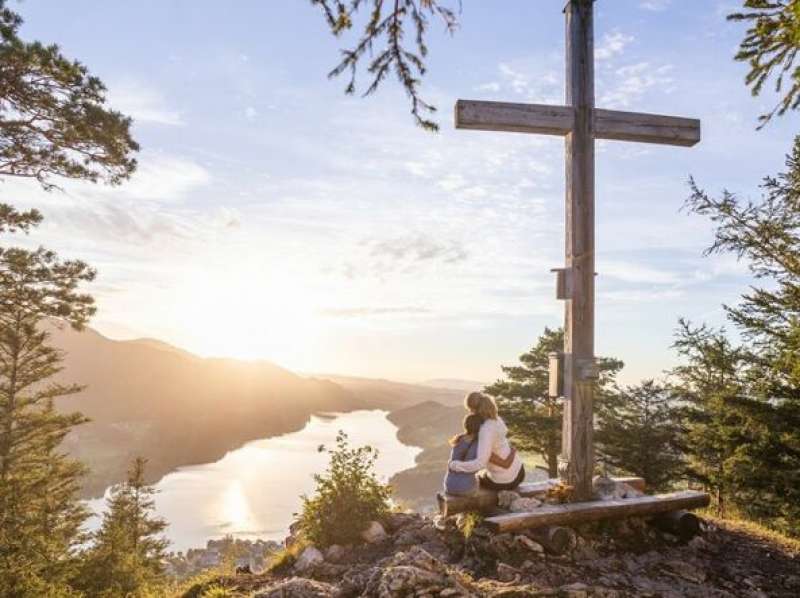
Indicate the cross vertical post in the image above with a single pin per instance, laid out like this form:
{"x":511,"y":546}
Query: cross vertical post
{"x":577,"y":453}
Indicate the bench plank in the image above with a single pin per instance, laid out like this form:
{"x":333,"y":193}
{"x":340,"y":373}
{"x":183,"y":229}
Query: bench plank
{"x":486,"y":500}
{"x":583,"y":512}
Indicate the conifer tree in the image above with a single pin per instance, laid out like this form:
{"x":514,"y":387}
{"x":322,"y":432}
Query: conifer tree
{"x":383,"y":42}
{"x":53,"y":121}
{"x":40,"y":514}
{"x":766,"y":235}
{"x":735,"y":438}
{"x":770,"y":47}
{"x":639,"y":434}
{"x":532,"y":416}
{"x":129,"y":552}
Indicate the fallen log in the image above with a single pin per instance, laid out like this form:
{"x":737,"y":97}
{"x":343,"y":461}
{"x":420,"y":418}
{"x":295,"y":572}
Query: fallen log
{"x":683,"y":524}
{"x":582,"y":512}
{"x":486,"y":500}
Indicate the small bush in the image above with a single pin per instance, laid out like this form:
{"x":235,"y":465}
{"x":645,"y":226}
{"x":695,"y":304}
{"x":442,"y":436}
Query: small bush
{"x":218,"y":592}
{"x":283,"y":559}
{"x":348,"y":496}
{"x":468,"y":522}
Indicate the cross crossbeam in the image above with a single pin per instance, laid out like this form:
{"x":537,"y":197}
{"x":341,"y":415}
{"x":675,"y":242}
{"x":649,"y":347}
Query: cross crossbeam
{"x":580,"y":123}
{"x":545,"y":119}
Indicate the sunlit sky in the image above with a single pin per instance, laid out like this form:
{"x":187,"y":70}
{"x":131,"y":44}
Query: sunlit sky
{"x":274,"y":218}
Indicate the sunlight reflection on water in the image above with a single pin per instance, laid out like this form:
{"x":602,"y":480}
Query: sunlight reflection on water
{"x":253,"y":491}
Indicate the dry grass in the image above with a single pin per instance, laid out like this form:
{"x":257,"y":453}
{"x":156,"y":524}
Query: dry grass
{"x":786,"y":543}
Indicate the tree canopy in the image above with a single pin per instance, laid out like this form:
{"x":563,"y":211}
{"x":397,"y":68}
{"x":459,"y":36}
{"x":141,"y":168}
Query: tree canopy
{"x":770,"y":48}
{"x":53,"y":118}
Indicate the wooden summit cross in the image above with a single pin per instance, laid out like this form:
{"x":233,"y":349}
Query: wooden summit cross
{"x":580,"y":123}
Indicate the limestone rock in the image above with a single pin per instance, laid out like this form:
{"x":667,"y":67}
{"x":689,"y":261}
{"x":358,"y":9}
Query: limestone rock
{"x":575,"y":590}
{"x":524,"y":504}
{"x":335,"y":553}
{"x":374,"y":533}
{"x":308,"y":558}
{"x":507,"y":573}
{"x":298,"y":588}
{"x":505,"y":498}
{"x":685,"y":571}
{"x":529,"y":545}
{"x":414,"y":573}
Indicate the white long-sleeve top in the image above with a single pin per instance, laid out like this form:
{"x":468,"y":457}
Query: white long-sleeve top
{"x":492,"y":438}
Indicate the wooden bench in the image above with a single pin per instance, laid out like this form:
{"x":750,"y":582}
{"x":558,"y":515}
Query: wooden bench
{"x":583,"y":512}
{"x":486,"y":500}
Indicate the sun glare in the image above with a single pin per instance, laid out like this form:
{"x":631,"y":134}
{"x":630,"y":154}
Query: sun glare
{"x":247,"y":313}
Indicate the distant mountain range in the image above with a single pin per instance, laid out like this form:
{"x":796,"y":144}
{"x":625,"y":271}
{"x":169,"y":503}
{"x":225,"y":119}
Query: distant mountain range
{"x":455,"y":384}
{"x":148,"y":398}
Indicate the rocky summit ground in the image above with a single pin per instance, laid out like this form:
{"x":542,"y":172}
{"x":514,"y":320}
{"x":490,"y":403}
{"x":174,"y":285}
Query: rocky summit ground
{"x":418,"y":559}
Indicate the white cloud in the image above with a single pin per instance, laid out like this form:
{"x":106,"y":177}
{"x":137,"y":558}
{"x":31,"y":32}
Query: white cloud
{"x":633,"y":81}
{"x":161,"y":177}
{"x":613,"y":44}
{"x":250,"y":113}
{"x":655,"y":5}
{"x":492,"y":86}
{"x":144,"y":104}
{"x":637,"y":273}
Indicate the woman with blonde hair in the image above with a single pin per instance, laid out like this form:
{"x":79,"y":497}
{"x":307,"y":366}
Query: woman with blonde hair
{"x":503,"y":467}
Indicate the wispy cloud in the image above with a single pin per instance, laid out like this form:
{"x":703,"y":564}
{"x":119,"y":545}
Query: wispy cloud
{"x":631,"y":82}
{"x":160,"y":176}
{"x":613,"y":44}
{"x":418,"y":249}
{"x":366,"y":312}
{"x":638,"y":273}
{"x":144,"y":104}
{"x":655,"y":5}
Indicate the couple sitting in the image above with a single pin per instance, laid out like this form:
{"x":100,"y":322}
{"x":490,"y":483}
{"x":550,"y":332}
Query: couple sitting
{"x":483,"y":446}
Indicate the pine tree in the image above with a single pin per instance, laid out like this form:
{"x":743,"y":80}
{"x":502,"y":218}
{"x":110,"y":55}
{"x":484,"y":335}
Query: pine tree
{"x":533,"y":417}
{"x":770,"y":47}
{"x":40,"y":514}
{"x":639,"y":434}
{"x":766,"y":234}
{"x":52,"y":115}
{"x":128,"y":554}
{"x":385,"y":28}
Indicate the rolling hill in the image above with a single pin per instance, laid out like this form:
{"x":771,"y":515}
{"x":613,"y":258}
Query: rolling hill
{"x":147,"y":398}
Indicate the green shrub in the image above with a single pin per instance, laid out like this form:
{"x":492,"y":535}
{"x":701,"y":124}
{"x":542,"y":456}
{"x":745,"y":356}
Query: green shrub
{"x":468,"y":522}
{"x":347,"y":498}
{"x":282,"y":560}
{"x":218,"y":592}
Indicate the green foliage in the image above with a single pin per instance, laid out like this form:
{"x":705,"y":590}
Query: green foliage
{"x":128,"y":553}
{"x":766,"y":234}
{"x":386,"y":28}
{"x":770,"y":47}
{"x":467,"y":522}
{"x":639,"y":434}
{"x":532,"y":416}
{"x":284,"y":558}
{"x":216,"y":591}
{"x":52,"y":115}
{"x":40,"y":514}
{"x":348,"y":497}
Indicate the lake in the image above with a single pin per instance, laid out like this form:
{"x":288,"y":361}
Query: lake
{"x":253,"y":491}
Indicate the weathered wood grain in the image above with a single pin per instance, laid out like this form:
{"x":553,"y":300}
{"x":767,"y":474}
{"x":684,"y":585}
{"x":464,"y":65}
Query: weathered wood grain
{"x":514,"y":118}
{"x":646,"y":128}
{"x":577,"y":452}
{"x":584,"y":512}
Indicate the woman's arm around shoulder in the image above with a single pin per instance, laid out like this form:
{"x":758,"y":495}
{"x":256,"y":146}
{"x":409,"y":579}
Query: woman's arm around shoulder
{"x":485,"y":443}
